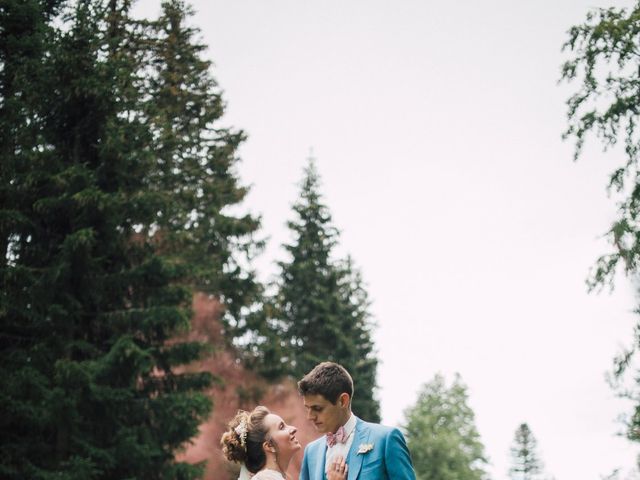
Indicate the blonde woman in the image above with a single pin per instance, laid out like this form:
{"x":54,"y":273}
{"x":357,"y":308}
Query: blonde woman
{"x":263,"y":444}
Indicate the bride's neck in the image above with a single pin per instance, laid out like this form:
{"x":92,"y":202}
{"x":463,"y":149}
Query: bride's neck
{"x":279,"y":466}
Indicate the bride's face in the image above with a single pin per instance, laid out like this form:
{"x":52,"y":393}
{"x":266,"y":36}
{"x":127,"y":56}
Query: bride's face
{"x":283,"y":435}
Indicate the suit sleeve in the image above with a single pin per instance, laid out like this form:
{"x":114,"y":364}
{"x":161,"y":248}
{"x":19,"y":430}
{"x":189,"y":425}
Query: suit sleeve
{"x":397,"y":458}
{"x":304,"y":470}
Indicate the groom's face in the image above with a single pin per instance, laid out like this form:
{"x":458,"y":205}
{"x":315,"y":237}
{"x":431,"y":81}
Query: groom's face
{"x":326,"y":416}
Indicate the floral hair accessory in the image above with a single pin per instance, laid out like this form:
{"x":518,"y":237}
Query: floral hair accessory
{"x":241,"y":431}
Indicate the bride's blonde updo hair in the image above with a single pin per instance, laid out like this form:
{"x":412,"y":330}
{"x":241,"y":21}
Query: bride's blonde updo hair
{"x":242,"y":442}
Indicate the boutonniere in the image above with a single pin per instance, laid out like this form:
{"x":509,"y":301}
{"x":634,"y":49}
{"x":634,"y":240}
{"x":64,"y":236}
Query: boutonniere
{"x":365,"y":447}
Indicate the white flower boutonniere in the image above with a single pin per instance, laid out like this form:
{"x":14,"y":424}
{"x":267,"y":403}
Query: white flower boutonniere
{"x":365,"y":447}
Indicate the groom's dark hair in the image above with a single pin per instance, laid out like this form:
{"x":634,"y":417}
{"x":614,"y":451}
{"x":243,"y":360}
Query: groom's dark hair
{"x":327,"y":379}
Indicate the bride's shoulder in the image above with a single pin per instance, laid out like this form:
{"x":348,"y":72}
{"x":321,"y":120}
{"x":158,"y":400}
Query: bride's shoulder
{"x":267,"y":475}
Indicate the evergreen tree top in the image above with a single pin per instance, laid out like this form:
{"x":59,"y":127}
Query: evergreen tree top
{"x":314,"y":234}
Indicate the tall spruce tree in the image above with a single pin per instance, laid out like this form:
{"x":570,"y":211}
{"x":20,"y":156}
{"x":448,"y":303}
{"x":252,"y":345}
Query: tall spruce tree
{"x":320,"y":309}
{"x":195,"y":177}
{"x":441,"y":433}
{"x":116,"y":179}
{"x":357,"y":326}
{"x":526,"y":464}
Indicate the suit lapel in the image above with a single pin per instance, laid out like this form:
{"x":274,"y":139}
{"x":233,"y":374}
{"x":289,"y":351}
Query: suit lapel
{"x":322,"y":457}
{"x":353,"y":459}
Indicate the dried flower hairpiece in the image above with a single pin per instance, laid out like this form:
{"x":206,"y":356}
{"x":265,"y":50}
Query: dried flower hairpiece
{"x":241,"y":431}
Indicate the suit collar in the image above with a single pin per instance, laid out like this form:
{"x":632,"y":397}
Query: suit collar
{"x":354,"y":459}
{"x":322,"y":447}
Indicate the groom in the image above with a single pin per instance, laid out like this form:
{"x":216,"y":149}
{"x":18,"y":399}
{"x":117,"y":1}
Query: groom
{"x":372,"y":451}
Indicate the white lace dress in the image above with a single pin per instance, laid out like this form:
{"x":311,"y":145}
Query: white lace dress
{"x":268,"y":475}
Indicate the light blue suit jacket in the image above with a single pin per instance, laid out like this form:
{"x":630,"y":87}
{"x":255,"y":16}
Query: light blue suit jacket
{"x":388,"y":459}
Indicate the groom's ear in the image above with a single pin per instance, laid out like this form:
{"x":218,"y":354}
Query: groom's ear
{"x":344,"y":399}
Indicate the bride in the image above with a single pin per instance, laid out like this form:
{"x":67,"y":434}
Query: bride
{"x":263,"y":444}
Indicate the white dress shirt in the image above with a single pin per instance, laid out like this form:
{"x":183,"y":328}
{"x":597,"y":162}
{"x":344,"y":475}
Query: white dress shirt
{"x":341,"y":448}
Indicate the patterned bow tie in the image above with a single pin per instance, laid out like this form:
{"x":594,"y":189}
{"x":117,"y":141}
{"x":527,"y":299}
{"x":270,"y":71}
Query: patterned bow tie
{"x":339,"y":437}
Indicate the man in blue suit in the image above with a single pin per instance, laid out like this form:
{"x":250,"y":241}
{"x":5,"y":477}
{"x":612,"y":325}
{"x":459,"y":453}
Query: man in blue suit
{"x":366,"y":451}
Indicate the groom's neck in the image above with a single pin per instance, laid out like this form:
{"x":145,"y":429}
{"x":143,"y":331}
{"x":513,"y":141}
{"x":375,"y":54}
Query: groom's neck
{"x":345,"y":418}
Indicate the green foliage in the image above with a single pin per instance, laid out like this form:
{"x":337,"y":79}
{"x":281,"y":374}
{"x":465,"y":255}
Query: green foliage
{"x":525,"y":462}
{"x":441,"y":433}
{"x":319,"y":311}
{"x":115,"y":185}
{"x":195,"y":180}
{"x":605,"y":61}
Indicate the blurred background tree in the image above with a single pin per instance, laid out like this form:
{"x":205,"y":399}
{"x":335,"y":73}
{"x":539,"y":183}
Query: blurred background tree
{"x":605,"y":62}
{"x":526,"y":464}
{"x":442,"y":435}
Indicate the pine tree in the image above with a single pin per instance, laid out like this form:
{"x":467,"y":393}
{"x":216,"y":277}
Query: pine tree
{"x":308,"y":300}
{"x":357,"y":326}
{"x":196,"y":178}
{"x":320,"y":309}
{"x":526,"y":464}
{"x":441,"y":433}
{"x":112,"y":216}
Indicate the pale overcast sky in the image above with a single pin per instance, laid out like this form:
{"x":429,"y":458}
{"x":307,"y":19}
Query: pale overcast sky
{"x":437,"y":132}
